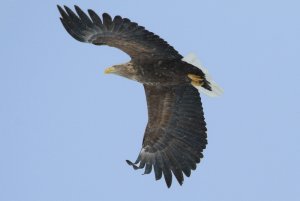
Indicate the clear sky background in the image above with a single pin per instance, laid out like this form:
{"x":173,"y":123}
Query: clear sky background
{"x":66,"y":129}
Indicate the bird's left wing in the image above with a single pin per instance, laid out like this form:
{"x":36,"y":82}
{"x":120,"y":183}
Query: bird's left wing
{"x":118,"y":32}
{"x":175,"y":135}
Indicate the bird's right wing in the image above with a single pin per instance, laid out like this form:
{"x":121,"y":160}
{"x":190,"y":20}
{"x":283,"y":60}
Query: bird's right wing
{"x":119,"y":32}
{"x":175,"y":135}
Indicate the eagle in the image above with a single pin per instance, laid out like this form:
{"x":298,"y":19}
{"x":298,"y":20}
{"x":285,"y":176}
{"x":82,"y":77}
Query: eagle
{"x":176,"y":134}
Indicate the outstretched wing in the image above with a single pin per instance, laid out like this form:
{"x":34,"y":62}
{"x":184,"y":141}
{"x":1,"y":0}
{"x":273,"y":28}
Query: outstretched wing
{"x":119,"y":32}
{"x":175,"y":135}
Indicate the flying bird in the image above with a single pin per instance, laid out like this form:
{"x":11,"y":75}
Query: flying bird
{"x":175,"y":135}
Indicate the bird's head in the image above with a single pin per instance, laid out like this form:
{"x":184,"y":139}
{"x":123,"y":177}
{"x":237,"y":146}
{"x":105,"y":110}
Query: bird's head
{"x":125,"y":70}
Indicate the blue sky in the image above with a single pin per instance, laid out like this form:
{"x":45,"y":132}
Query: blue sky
{"x":66,"y":129}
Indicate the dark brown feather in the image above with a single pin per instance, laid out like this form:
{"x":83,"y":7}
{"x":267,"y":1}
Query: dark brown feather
{"x":173,"y":143}
{"x":96,"y":19}
{"x":121,"y":33}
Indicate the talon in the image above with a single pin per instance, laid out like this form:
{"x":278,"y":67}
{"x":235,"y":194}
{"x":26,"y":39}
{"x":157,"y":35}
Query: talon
{"x":195,"y":78}
{"x":197,"y":84}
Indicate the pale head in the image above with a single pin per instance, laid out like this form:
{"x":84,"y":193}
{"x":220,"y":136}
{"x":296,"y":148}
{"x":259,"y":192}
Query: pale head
{"x":125,"y":70}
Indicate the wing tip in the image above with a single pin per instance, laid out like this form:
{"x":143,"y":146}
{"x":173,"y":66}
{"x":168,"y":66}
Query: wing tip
{"x":169,"y":183}
{"x":61,"y":10}
{"x":134,"y":166}
{"x":77,"y":8}
{"x":91,"y":11}
{"x":66,"y":7}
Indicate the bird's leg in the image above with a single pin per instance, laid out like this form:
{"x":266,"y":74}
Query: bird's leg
{"x":196,"y":79}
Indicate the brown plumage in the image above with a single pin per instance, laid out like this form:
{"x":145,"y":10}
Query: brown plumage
{"x":175,"y":136}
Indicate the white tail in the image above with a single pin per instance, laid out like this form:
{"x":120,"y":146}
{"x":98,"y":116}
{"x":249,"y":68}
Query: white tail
{"x":191,"y":58}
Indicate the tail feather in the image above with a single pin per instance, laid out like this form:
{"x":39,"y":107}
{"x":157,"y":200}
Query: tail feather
{"x":216,"y":90}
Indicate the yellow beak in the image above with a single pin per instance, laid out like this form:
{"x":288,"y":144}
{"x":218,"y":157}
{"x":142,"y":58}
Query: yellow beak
{"x":110,"y":70}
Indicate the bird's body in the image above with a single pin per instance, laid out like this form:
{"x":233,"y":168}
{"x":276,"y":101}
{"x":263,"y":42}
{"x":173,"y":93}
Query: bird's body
{"x":175,"y":135}
{"x":160,"y":72}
